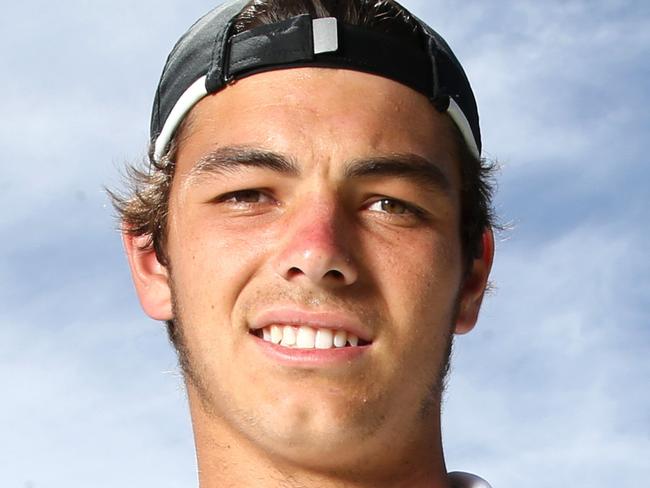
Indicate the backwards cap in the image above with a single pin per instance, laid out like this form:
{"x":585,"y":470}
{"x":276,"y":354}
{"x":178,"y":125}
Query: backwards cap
{"x":208,"y":57}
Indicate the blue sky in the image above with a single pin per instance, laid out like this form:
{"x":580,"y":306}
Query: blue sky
{"x":550,"y":389}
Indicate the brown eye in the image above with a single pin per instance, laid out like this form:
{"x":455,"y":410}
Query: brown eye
{"x":244,"y":197}
{"x":393,"y":206}
{"x":388,"y":205}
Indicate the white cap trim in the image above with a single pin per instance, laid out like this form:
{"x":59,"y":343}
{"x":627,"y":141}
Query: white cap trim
{"x":197,"y":91}
{"x":325,"y":34}
{"x":459,"y":118}
{"x":187,"y":100}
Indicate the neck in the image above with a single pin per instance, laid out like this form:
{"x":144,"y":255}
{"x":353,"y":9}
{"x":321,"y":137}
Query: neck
{"x":226,"y":457}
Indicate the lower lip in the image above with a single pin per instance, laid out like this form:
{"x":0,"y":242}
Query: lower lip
{"x":310,"y":357}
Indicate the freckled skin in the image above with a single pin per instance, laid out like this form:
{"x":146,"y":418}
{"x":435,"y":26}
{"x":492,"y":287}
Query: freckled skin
{"x":365,"y":424}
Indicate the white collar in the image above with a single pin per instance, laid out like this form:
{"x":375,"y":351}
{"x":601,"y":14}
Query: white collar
{"x":459,"y":479}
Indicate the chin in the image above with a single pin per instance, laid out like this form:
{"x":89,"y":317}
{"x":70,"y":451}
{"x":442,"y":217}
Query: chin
{"x":334,"y":451}
{"x":322,"y":438}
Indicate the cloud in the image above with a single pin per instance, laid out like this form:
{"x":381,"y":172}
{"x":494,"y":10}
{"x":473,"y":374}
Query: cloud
{"x":88,"y":404}
{"x":549,"y":384}
{"x":554,"y":80}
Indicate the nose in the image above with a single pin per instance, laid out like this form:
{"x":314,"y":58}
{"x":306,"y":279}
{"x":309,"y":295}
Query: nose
{"x":316,"y":248}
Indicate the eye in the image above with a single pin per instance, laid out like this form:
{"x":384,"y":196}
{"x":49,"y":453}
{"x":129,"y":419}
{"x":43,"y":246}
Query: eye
{"x":244,"y":197}
{"x":398,"y":212}
{"x":392,"y":206}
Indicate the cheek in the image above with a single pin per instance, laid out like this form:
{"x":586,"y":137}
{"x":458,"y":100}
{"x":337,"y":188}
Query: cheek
{"x":423,"y":302}
{"x":211,"y":264}
{"x":420,"y":279}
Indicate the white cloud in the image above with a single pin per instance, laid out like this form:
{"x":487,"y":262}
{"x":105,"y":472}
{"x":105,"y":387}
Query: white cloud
{"x":548,"y":389}
{"x":91,"y":402}
{"x":552,"y":78}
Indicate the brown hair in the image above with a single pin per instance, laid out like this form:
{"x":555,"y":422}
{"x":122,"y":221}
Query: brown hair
{"x":143,"y":208}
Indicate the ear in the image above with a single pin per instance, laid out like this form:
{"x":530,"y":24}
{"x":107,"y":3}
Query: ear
{"x":474,"y":286}
{"x":151,"y":279}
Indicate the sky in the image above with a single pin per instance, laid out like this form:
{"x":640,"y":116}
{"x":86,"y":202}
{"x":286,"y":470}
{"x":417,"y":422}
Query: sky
{"x":550,"y":389}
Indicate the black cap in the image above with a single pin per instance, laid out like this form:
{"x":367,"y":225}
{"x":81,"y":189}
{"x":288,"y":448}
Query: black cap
{"x":208,"y":57}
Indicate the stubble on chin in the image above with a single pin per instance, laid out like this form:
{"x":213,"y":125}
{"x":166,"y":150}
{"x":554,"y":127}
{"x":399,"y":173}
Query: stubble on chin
{"x":176,"y":334}
{"x":430,"y":404}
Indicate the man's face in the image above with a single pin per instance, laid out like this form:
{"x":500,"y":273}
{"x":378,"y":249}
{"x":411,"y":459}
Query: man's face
{"x":352,"y":223}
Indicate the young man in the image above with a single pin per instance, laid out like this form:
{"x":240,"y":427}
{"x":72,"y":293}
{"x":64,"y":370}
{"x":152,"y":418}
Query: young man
{"x":314,"y":228}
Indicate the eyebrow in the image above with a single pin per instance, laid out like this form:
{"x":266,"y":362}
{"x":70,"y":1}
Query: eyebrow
{"x":229,"y":159}
{"x":403,"y":165}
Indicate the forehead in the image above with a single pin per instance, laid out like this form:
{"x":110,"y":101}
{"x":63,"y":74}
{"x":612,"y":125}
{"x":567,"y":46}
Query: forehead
{"x":333,"y":113}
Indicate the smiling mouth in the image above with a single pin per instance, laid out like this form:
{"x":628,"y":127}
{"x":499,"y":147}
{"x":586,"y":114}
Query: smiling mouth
{"x":305,"y":337}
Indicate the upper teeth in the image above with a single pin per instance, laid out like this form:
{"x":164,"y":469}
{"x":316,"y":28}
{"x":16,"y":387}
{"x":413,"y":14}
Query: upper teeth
{"x":305,"y":337}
